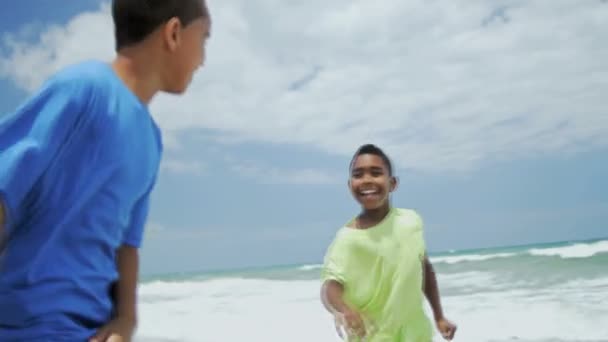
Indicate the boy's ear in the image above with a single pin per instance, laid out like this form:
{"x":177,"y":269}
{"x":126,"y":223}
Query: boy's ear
{"x":172,"y":33}
{"x":394,"y":183}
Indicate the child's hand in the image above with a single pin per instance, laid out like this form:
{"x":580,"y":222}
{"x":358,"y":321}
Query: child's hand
{"x":351,"y":321}
{"x":446,"y":328}
{"x":117,"y":330}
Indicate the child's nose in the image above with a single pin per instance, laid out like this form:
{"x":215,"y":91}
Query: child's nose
{"x":367,"y":177}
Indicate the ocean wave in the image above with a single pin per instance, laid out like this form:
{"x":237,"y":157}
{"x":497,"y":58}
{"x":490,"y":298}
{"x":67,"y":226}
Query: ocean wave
{"x":310,"y":267}
{"x":469,"y":257}
{"x":579,"y":250}
{"x":573,"y":251}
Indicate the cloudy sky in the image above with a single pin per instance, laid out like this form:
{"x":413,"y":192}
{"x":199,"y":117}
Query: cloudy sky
{"x":495,"y":113}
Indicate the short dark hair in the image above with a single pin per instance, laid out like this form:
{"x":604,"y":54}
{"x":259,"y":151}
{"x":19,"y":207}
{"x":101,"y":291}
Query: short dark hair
{"x":134,"y":20}
{"x":374,"y":150}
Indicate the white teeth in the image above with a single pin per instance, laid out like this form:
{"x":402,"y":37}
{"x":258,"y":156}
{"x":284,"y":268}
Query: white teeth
{"x":368,"y":192}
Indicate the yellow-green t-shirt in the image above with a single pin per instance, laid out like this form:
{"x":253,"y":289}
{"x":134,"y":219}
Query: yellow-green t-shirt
{"x":381,"y":269}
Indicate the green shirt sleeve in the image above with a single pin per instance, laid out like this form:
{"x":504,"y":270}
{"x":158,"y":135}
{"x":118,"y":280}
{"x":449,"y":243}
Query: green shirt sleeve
{"x":333,"y":266}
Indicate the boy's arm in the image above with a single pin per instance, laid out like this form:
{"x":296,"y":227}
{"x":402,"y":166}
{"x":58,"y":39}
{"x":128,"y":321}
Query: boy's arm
{"x":331,"y":296}
{"x":128,"y":260}
{"x":332,"y":276}
{"x":126,"y":287}
{"x":431,"y":290}
{"x":332,"y":293}
{"x":122,"y":325}
{"x":31,"y":137}
{"x":124,"y":294}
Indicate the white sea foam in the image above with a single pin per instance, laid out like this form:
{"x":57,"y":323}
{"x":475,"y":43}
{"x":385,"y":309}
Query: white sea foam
{"x":580,"y":250}
{"x":234,"y":310}
{"x":311,"y":267}
{"x":470,"y":257}
{"x":226,"y":310}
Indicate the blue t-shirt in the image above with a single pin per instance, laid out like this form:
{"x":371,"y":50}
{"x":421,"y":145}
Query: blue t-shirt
{"x":77,"y":163}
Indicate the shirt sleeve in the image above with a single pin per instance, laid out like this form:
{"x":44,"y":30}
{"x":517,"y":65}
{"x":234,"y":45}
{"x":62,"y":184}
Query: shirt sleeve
{"x":31,"y":137}
{"x":420,"y":228}
{"x":333,"y":265}
{"x":134,"y":233}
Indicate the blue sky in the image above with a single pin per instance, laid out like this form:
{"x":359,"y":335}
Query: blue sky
{"x":495,"y":117}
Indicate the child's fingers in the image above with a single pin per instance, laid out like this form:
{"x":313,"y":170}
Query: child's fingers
{"x":339,"y":324}
{"x":339,"y":331}
{"x":101,"y":335}
{"x":360,"y":331}
{"x":338,"y":327}
{"x":115,"y":338}
{"x":357,"y":327}
{"x":448,"y":332}
{"x":452,"y":331}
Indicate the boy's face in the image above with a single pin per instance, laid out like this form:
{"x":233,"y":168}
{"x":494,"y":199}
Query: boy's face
{"x":370,"y":182}
{"x":186,"y":52}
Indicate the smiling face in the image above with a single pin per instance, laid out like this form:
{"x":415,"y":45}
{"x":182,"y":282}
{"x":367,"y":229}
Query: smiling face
{"x":371,"y":182}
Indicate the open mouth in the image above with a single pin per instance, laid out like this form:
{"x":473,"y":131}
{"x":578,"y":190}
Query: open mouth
{"x":369,"y":193}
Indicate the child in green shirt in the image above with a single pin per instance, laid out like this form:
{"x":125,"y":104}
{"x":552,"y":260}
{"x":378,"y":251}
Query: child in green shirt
{"x":376,"y":271}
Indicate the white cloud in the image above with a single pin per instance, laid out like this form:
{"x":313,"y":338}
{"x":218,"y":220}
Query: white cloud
{"x":182,"y":166}
{"x":441,"y":84}
{"x":272,"y":175}
{"x":88,"y":35}
{"x":154,"y":228}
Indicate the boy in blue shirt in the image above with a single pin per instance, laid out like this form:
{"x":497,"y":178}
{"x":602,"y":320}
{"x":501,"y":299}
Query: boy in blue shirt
{"x":78,"y":161}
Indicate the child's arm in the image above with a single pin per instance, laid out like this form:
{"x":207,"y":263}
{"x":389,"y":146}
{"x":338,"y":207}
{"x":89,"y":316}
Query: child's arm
{"x":126,"y":288}
{"x":125,"y":320}
{"x":31,"y":137}
{"x":332,"y":297}
{"x":431,"y":290}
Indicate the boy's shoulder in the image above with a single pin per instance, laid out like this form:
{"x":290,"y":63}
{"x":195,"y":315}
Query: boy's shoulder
{"x":90,"y":74}
{"x":406,"y":212}
{"x":408,"y":217}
